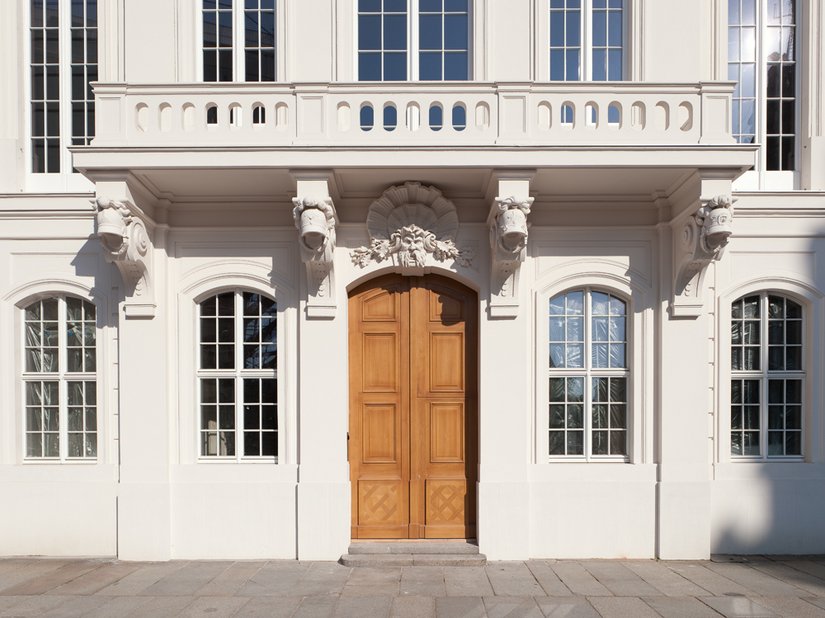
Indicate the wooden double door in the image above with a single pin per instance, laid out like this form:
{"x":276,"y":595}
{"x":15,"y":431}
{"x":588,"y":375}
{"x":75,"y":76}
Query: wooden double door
{"x":413,"y":408}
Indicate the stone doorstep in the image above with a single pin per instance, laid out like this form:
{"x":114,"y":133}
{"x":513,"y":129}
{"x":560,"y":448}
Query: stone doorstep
{"x":413,"y":547}
{"x":385,"y":560}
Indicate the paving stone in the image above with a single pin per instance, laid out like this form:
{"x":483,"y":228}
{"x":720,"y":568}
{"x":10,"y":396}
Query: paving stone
{"x":759,"y":583}
{"x":187,"y":580}
{"x":375,"y":576}
{"x":812,"y":567}
{"x":789,"y":606}
{"x":317,"y":606}
{"x":270,"y":607}
{"x":76,"y":607}
{"x":97,"y":579}
{"x":666,"y":581}
{"x":620,"y":580}
{"x":547,"y":579}
{"x":161,"y":607}
{"x":512,"y":607}
{"x":818,"y":602}
{"x":715,"y":583}
{"x":578,"y":580}
{"x":35,"y":605}
{"x":231,"y":580}
{"x":117,"y":607}
{"x":622,"y":607}
{"x":423,"y":581}
{"x":215,"y":607}
{"x":807,"y":582}
{"x":25,"y":570}
{"x":681,"y":607}
{"x":139,"y":580}
{"x":413,"y":607}
{"x":571,"y":607}
{"x":738,"y":607}
{"x":467,"y":582}
{"x":360,"y":607}
{"x":459,"y":607}
{"x":371,"y":590}
{"x":277,"y":579}
{"x":513,"y":579}
{"x":52,"y":579}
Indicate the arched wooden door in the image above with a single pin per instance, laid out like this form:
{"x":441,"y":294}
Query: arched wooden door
{"x":413,"y":408}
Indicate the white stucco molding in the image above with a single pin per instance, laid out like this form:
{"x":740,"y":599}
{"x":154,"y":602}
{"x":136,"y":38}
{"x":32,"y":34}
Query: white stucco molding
{"x":125,"y":238}
{"x":413,"y":227}
{"x":315,"y":219}
{"x":701,"y":240}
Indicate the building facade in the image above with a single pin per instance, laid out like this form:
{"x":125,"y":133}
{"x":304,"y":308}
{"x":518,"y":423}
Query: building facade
{"x":278,"y":274}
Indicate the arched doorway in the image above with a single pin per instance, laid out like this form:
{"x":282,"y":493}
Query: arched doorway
{"x":413,"y":350}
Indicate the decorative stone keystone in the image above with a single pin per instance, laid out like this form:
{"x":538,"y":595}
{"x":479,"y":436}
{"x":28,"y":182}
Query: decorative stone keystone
{"x":315,"y":220}
{"x":703,"y":240}
{"x":412,"y":226}
{"x":508,"y":244}
{"x":127,"y":245}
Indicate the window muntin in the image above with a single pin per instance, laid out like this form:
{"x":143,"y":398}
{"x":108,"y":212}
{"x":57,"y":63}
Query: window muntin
{"x":238,"y":39}
{"x":767,"y":377}
{"x":433,"y":45}
{"x":587,"y":40}
{"x":237,"y":376}
{"x":762,"y":60}
{"x":588,"y":375}
{"x":63,"y":63}
{"x":59,"y":379}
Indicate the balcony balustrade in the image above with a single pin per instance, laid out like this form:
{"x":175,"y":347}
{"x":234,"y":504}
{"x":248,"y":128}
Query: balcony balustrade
{"x":389,"y":115}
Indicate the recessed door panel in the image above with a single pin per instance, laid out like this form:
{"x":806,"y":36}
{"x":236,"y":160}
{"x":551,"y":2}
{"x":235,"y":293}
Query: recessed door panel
{"x":413,"y":408}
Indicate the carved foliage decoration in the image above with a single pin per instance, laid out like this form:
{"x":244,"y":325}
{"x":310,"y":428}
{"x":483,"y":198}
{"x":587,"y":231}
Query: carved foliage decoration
{"x":409,"y":224}
{"x":125,"y":241}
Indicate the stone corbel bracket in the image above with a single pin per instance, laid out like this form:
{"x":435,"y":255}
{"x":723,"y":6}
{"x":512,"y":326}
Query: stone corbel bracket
{"x":127,"y":244}
{"x":315,"y":219}
{"x":701,"y":240}
{"x":508,"y":243}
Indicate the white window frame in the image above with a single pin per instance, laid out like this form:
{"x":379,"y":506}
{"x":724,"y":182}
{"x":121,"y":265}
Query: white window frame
{"x":413,"y":48}
{"x":760,"y":178}
{"x":238,"y":43}
{"x":588,"y":373}
{"x":66,"y":180}
{"x":763,"y":375}
{"x":238,"y":374}
{"x":62,"y":377}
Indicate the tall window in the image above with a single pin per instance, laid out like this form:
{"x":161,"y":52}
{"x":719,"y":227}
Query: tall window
{"x":413,"y":39}
{"x":63,"y":63}
{"x":238,"y":40}
{"x":762,"y":60}
{"x":767,"y":377}
{"x":587,"y":40}
{"x":588,"y":375}
{"x":237,"y":376}
{"x":59,"y":379}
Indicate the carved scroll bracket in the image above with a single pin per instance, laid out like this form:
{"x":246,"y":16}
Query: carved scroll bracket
{"x":413,"y":226}
{"x":315,"y":219}
{"x":127,"y":244}
{"x":508,"y":244}
{"x":698,"y":242}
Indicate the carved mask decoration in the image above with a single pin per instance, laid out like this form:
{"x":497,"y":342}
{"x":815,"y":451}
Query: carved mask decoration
{"x":314,"y":228}
{"x":111,"y":229}
{"x":512,"y":227}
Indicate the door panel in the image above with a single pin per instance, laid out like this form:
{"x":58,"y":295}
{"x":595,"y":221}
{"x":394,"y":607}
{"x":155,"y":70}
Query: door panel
{"x":413,"y":410}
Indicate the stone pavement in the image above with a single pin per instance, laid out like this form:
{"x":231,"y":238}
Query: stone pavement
{"x":731,"y":587}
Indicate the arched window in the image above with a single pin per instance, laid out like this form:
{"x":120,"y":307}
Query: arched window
{"x":237,"y":383}
{"x":588,"y":373}
{"x":767,"y":377}
{"x":59,"y":379}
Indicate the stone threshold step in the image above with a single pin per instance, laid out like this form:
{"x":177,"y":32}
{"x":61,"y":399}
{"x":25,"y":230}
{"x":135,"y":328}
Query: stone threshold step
{"x":385,"y":560}
{"x":413,"y":547}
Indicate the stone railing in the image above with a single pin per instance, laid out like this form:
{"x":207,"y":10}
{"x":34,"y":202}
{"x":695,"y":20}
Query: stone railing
{"x":423,"y":114}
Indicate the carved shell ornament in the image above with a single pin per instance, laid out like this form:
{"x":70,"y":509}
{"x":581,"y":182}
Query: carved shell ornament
{"x":408,"y":223}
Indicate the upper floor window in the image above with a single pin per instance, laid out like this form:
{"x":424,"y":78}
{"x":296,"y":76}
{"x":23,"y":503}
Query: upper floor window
{"x":762,"y":60}
{"x":767,"y":377}
{"x":587,"y":40}
{"x":62,"y":62}
{"x":238,"y":40}
{"x":400,"y":40}
{"x":237,"y":376}
{"x":60,"y":380}
{"x":588,"y":372}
